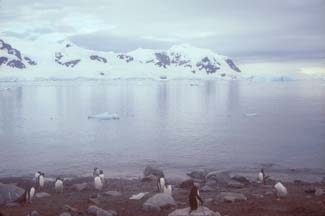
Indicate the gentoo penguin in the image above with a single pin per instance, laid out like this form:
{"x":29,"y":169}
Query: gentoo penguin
{"x":161,"y":184}
{"x":58,"y":185}
{"x":281,"y":190}
{"x":262,"y":177}
{"x":27,"y":196}
{"x":168,"y":189}
{"x":101,"y":175}
{"x":40,"y":179}
{"x":194,"y":197}
{"x":98,"y":182}
{"x":95,"y":172}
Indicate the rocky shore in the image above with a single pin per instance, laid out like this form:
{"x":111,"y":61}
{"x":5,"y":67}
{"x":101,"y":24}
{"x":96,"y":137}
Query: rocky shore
{"x":223,"y":194}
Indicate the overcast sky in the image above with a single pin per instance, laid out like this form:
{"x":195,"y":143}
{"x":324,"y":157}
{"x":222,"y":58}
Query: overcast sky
{"x":283,"y":29}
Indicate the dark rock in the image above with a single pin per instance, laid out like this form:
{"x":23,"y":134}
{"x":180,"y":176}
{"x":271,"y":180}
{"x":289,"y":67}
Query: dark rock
{"x":30,"y":61}
{"x":10,"y":50}
{"x":310,"y":190}
{"x":98,"y":58}
{"x":3,"y":60}
{"x":163,"y":59}
{"x":112,"y":193}
{"x":16,"y":64}
{"x":72,"y":63}
{"x":149,"y":170}
{"x":235,"y":184}
{"x":207,"y":188}
{"x":149,"y":178}
{"x":240,"y":179}
{"x":127,"y":58}
{"x":158,"y":201}
{"x":197,"y":174}
{"x":208,"y":65}
{"x":232,"y":65}
{"x":9,"y":193}
{"x":221,"y":178}
{"x":188,"y":183}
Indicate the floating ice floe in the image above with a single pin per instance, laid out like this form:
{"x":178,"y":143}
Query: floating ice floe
{"x":105,"y":116}
{"x":250,"y":114}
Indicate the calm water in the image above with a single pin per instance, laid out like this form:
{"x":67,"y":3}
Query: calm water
{"x":178,"y":125}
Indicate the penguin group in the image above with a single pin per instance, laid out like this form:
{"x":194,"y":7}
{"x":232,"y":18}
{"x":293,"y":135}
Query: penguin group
{"x":99,"y":178}
{"x":40,"y":179}
{"x":280,"y":189}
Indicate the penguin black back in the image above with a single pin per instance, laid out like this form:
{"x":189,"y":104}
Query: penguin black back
{"x":194,"y":198}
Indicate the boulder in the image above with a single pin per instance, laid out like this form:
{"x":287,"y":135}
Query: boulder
{"x":240,"y":179}
{"x":235,"y":184}
{"x":96,"y":211}
{"x":230,"y":197}
{"x":65,"y":214}
{"x":112,"y":193}
{"x":149,"y":170}
{"x":34,"y":213}
{"x":71,"y":209}
{"x":188,"y":183}
{"x":207,"y":188}
{"x":158,"y":201}
{"x":200,"y":174}
{"x":201,"y":211}
{"x":221,"y":178}
{"x":80,"y":187}
{"x":149,"y":178}
{"x":9,"y":193}
{"x":42,"y":195}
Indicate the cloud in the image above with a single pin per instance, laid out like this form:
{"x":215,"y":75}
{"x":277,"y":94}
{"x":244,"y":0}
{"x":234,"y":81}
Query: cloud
{"x":244,"y":29}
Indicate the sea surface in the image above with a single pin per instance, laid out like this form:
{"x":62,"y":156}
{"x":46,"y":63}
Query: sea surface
{"x":178,"y":125}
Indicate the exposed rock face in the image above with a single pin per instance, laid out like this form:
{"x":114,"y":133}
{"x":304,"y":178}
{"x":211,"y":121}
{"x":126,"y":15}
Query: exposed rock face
{"x":12,"y":57}
{"x":9,"y":193}
{"x":98,"y":58}
{"x":197,"y":174}
{"x":127,"y":58}
{"x":158,"y":201}
{"x":71,"y":63}
{"x":163,"y":59}
{"x":16,"y":64}
{"x":201,"y":211}
{"x":232,"y":65}
{"x":208,"y":65}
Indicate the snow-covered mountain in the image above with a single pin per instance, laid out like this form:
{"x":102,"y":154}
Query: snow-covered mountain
{"x":42,"y":59}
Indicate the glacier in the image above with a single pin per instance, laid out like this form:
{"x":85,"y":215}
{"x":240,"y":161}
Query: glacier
{"x":41,"y":60}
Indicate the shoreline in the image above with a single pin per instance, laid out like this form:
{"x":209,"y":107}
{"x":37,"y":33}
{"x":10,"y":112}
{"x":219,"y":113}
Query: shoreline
{"x":261,"y":199}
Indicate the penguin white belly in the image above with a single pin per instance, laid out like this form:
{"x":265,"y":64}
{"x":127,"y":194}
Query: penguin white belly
{"x":58,"y":186}
{"x":168,"y":189}
{"x":102,"y":177}
{"x":41,"y":181}
{"x":162,"y":183}
{"x":31,"y":193}
{"x":260,"y":177}
{"x":281,"y":190}
{"x":98,"y":183}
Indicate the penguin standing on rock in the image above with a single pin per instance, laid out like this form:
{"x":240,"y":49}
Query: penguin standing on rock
{"x":262,"y":177}
{"x":95,"y":172}
{"x":40,"y":179}
{"x":98,"y":183}
{"x":101,"y":175}
{"x":161,"y":184}
{"x":194,"y":198}
{"x":58,"y":185}
{"x":27,"y":196}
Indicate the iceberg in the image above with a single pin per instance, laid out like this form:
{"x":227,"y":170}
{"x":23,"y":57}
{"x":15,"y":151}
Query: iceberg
{"x":105,"y":116}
